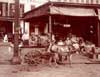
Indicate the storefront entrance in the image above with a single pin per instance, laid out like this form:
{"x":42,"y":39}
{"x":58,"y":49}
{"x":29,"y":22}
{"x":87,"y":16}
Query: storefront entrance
{"x":85,"y":27}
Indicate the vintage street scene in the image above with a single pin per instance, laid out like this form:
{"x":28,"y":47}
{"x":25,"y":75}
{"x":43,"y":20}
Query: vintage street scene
{"x":49,"y":38}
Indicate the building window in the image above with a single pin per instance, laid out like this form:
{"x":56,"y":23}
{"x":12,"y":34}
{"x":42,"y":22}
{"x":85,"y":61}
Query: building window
{"x":21,"y":10}
{"x":82,"y":1}
{"x":4,"y":9}
{"x":87,"y":1}
{"x":12,"y":10}
{"x":77,"y":1}
{"x":97,"y":2}
{"x":91,"y":1}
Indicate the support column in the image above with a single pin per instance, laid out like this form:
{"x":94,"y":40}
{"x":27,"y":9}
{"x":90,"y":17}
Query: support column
{"x":98,"y":31}
{"x":46,"y":28}
{"x":23,"y":26}
{"x":36,"y":30}
{"x":13,"y":27}
{"x":50,"y":26}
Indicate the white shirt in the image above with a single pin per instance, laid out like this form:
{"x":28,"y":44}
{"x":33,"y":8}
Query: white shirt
{"x":25,"y":37}
{"x":5,"y":38}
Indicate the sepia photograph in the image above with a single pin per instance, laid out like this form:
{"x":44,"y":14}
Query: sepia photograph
{"x":49,"y":38}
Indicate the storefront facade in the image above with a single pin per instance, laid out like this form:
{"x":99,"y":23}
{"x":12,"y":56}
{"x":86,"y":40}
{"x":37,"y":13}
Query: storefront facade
{"x":62,"y":18}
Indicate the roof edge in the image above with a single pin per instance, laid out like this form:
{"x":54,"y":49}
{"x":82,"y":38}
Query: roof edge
{"x":64,"y":4}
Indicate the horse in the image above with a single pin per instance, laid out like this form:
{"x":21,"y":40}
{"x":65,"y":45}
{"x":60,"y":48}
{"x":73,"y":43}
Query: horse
{"x":63,"y":51}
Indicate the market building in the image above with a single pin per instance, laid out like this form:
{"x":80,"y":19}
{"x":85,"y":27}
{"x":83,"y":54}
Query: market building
{"x":7,"y":12}
{"x":81,"y":19}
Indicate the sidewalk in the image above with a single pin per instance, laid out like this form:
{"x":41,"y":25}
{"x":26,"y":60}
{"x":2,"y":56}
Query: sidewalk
{"x":78,"y":69}
{"x":81,"y":66}
{"x":84,"y":59}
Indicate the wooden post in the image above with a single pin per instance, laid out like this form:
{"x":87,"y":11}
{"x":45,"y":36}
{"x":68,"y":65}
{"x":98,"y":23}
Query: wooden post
{"x":98,"y":31}
{"x":23,"y":26}
{"x":50,"y":26}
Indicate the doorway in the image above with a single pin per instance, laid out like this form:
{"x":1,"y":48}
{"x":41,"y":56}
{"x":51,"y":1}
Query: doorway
{"x":85,"y":27}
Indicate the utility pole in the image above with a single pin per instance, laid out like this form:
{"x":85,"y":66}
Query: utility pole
{"x":16,"y":58}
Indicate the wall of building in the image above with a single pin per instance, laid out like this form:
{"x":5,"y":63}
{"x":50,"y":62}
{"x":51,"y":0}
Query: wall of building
{"x":7,"y":10}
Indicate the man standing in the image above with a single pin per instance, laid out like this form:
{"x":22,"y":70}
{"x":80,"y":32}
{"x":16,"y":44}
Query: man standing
{"x":25,"y":38}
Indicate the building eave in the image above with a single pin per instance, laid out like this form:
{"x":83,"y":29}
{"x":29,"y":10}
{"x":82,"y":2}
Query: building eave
{"x":45,"y":8}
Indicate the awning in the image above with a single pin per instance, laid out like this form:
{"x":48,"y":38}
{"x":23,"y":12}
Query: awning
{"x":39,"y":11}
{"x":63,"y":9}
{"x":72,"y":11}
